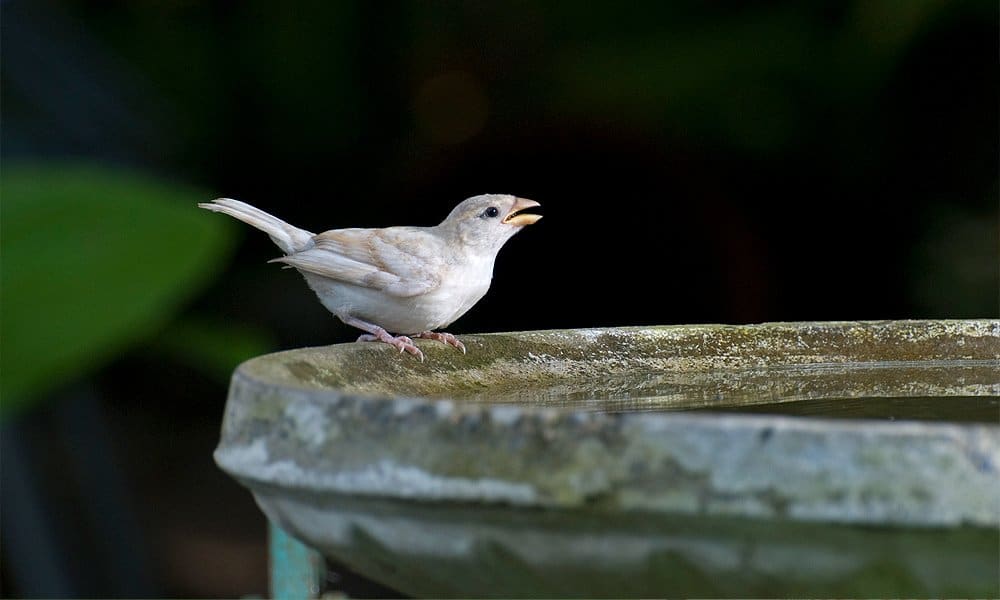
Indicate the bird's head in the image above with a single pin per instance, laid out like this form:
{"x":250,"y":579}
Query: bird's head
{"x":486,"y":222}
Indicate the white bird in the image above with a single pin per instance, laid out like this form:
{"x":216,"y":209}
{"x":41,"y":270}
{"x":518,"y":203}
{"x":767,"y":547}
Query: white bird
{"x":405,"y":280}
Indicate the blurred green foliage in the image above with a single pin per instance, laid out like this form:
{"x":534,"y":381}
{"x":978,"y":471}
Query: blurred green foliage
{"x":212,"y":346}
{"x":753,"y":79}
{"x":94,"y":260}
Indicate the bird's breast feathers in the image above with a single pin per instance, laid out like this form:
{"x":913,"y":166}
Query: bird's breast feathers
{"x":458,"y":285}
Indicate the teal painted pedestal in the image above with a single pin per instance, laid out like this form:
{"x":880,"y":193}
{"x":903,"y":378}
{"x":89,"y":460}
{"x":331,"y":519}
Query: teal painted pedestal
{"x":296,"y":569}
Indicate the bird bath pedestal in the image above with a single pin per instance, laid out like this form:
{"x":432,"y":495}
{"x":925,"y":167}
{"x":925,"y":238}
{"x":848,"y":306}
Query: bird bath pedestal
{"x":807,"y":459}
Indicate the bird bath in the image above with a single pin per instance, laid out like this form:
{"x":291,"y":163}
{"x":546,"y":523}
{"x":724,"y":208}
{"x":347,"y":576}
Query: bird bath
{"x":835,"y":459}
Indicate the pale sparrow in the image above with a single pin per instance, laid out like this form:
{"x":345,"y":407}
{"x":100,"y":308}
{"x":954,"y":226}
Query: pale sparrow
{"x":407,"y":280}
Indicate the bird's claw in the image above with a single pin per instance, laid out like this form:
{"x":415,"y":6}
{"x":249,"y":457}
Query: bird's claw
{"x":442,"y":337}
{"x":403,"y":343}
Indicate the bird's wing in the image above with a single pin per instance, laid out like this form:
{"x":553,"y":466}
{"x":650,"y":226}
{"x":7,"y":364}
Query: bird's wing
{"x":401,"y":261}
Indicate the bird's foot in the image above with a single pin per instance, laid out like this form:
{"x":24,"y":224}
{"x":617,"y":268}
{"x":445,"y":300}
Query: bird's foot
{"x":445,"y":338}
{"x":403,"y":343}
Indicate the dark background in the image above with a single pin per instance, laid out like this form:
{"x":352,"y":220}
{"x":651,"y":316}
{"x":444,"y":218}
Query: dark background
{"x":696,"y":162}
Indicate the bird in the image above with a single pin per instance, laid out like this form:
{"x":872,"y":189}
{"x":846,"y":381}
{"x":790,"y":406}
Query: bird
{"x":410,"y":281}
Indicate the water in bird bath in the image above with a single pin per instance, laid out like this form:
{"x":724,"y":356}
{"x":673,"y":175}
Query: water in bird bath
{"x":886,"y":390}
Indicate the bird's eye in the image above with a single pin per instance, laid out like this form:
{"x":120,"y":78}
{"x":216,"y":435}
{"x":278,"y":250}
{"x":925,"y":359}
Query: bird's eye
{"x":491,"y":212}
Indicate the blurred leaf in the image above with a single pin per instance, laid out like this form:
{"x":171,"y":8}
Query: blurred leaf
{"x":211,"y":346}
{"x":93,"y":260}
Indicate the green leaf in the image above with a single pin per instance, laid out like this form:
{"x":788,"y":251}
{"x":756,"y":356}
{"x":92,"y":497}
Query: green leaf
{"x":212,"y":346}
{"x":94,"y":260}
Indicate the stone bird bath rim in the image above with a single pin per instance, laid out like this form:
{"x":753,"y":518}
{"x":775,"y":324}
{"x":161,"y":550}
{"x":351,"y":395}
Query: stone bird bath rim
{"x":354,"y":419}
{"x":532,"y":467}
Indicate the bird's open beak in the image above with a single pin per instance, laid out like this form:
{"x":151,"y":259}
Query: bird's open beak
{"x":519,"y":218}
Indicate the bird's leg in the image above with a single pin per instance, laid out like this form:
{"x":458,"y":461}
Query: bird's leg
{"x":377,"y":334}
{"x":446,"y":338}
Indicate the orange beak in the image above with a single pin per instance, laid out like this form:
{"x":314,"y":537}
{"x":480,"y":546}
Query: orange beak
{"x":517,"y":217}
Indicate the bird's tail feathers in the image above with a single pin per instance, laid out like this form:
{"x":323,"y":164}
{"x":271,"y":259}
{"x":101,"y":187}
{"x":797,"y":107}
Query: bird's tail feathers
{"x":289,"y":238}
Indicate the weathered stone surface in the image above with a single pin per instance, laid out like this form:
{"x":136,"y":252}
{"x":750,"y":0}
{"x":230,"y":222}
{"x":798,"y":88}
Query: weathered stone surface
{"x":311,"y":431}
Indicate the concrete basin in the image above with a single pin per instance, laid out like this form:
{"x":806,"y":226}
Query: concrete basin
{"x":855,"y":458}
